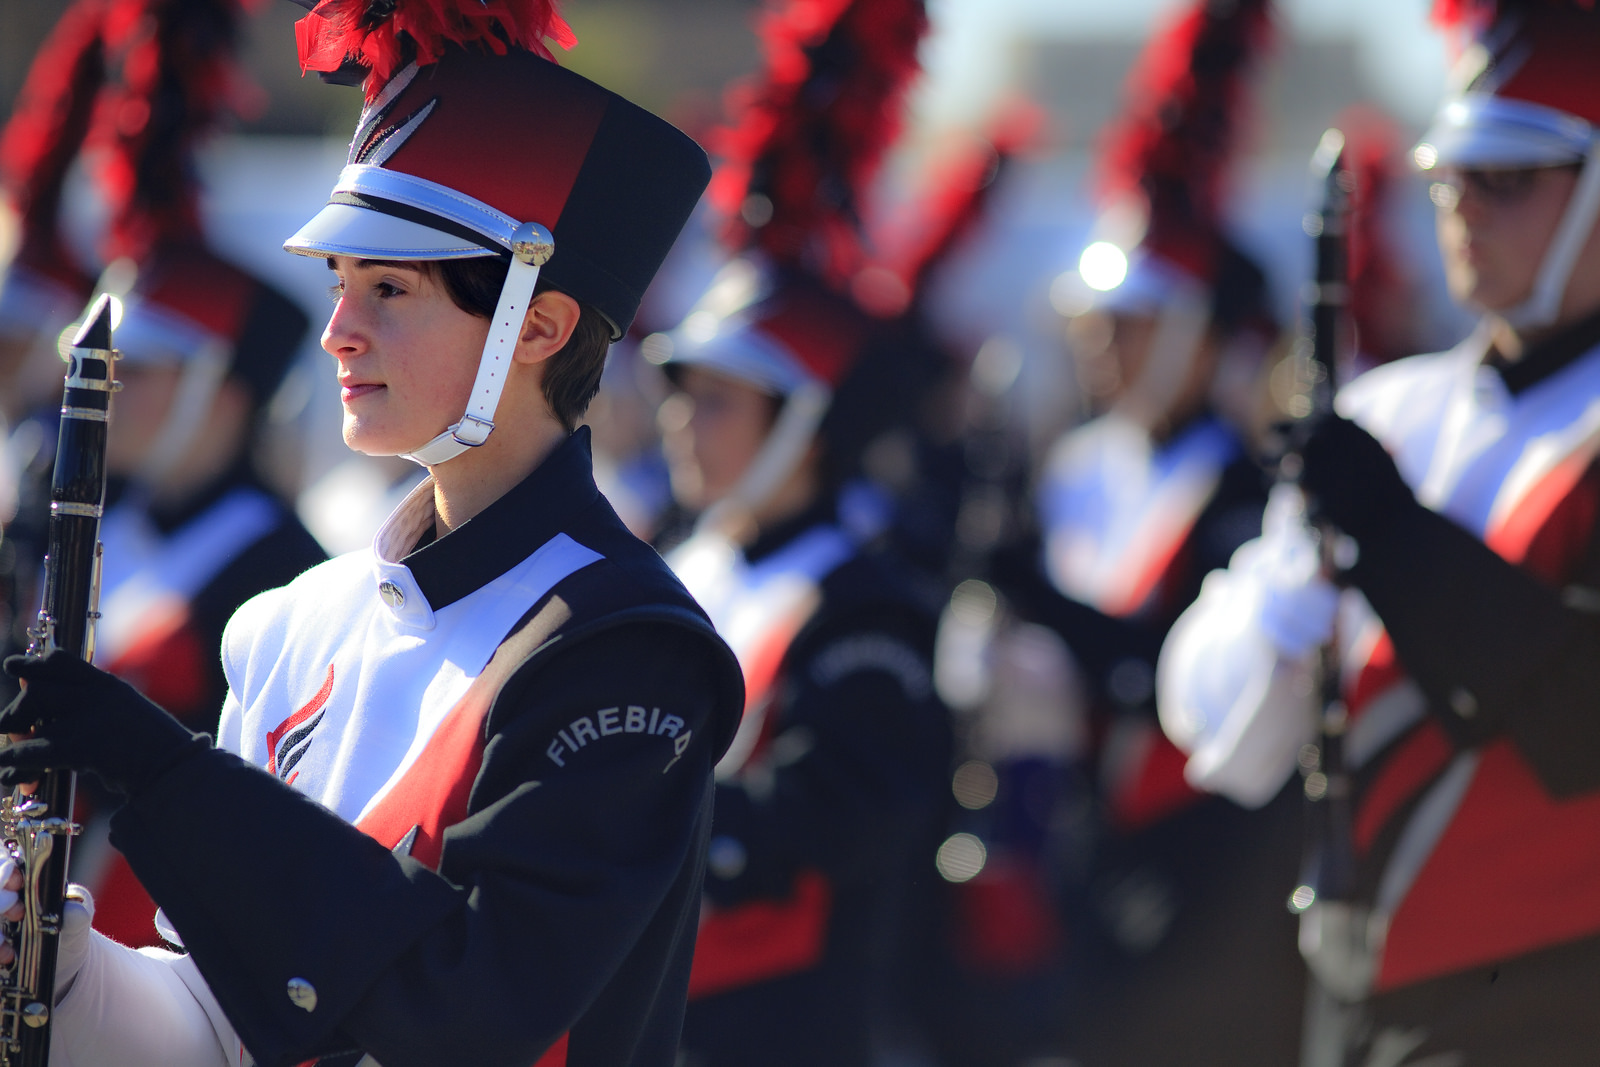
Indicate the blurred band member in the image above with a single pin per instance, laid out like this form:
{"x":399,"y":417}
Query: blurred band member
{"x":1463,"y":926}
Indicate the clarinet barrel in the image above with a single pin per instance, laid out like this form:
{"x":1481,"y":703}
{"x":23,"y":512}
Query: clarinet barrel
{"x":36,"y":824}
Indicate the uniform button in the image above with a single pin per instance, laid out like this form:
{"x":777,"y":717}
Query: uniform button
{"x":726,"y":858}
{"x":1463,"y":703}
{"x":392,"y":594}
{"x":302,"y":994}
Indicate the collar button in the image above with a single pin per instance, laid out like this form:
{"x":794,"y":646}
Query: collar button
{"x":392,"y":594}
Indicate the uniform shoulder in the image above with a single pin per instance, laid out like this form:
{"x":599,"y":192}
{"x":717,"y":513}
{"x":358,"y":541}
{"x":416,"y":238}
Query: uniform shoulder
{"x":1410,"y":376}
{"x":877,"y":590}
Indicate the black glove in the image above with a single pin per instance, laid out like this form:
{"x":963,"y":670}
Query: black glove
{"x":84,"y":719}
{"x":1349,"y":478}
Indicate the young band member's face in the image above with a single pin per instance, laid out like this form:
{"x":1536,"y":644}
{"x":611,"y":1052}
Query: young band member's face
{"x":1494,"y":227}
{"x":721,"y":428}
{"x":407,"y":355}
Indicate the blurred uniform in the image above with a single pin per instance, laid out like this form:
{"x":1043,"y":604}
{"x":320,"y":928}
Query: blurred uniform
{"x":182,"y":553}
{"x":1455,"y":920}
{"x":829,"y":801}
{"x":1181,"y":924}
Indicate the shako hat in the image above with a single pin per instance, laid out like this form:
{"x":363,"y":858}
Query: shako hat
{"x":185,"y":301}
{"x":808,"y":135}
{"x":478,"y":144}
{"x":1526,"y":93}
{"x":1164,"y":174}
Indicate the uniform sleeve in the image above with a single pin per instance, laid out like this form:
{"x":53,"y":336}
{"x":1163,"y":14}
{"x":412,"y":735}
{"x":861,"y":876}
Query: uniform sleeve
{"x":316,"y":939}
{"x":1494,"y":648}
{"x":858,"y":763}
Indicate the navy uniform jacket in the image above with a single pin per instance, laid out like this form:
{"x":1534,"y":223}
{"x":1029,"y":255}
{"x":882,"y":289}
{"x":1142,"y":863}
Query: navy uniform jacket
{"x":825,"y":837}
{"x":524,"y":886}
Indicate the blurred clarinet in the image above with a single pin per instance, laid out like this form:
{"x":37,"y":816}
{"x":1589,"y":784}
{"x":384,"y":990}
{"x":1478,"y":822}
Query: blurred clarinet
{"x":36,"y":826}
{"x":1327,"y":329}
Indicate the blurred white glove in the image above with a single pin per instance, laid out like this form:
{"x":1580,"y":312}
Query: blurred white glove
{"x":1297,"y":604}
{"x":1233,"y":680}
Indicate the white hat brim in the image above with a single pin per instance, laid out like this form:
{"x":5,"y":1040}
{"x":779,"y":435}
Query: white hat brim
{"x":1486,"y":132}
{"x":348,"y":230}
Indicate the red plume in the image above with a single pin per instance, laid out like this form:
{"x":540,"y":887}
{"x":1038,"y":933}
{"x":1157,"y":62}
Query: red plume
{"x":1476,"y":14}
{"x":385,"y":35}
{"x":47,"y":129}
{"x":1179,"y":132}
{"x":176,"y":80}
{"x":810,"y":132}
{"x":959,"y":188}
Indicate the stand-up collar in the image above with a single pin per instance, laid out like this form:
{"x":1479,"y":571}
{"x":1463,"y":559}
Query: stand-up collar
{"x":1547,"y":357}
{"x":503,"y":534}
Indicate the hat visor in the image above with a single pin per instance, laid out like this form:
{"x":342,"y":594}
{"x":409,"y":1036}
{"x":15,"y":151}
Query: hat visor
{"x":1152,"y":282}
{"x":1490,"y":133}
{"x":349,"y":230}
{"x":744,"y":354}
{"x":150,"y":335}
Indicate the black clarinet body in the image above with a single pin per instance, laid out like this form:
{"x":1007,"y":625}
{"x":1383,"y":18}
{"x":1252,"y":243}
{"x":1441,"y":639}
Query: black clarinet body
{"x":1327,"y":326}
{"x":36,"y":826}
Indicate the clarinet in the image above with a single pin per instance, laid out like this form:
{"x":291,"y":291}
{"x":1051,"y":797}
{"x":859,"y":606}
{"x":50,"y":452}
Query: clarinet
{"x":36,"y":825}
{"x":1328,"y":785}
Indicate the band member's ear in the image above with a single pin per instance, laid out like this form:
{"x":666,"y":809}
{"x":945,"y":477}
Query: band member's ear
{"x":546,"y":328}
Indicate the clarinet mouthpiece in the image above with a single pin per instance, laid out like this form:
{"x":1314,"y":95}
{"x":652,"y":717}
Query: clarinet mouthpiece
{"x":95,"y":333}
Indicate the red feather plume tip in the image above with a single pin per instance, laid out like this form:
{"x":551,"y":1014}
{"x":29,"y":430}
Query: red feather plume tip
{"x":1179,"y":132}
{"x":385,"y":35}
{"x":809,"y":133}
{"x":1476,"y":15}
{"x":960,"y":187}
{"x":46,"y":130}
{"x":174,"y":79}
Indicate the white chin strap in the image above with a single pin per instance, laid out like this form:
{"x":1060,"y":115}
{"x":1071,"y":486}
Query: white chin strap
{"x":1543,"y":305}
{"x":780,"y":454}
{"x":531,"y":247}
{"x":198,"y":383}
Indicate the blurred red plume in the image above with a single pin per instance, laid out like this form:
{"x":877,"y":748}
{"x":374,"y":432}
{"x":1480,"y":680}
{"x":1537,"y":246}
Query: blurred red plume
{"x":809,"y":133}
{"x":1177,"y":136}
{"x":174,"y":78}
{"x":47,"y":129}
{"x":385,"y":35}
{"x":1475,"y":14}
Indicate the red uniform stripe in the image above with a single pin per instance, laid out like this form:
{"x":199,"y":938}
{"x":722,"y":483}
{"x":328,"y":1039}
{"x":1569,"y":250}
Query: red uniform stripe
{"x":765,"y":939}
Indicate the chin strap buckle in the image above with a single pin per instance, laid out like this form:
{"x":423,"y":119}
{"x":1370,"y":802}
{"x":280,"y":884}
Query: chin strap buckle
{"x":471,"y":431}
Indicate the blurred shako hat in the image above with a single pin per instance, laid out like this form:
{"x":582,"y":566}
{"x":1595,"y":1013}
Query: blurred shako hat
{"x":1161,"y":248}
{"x":1526,"y":93}
{"x":478,"y":147}
{"x":805,"y":143}
{"x":800,"y":335}
{"x":184,"y":301}
{"x":1161,"y":244}
{"x":184,"y":306}
{"x":42,"y":288}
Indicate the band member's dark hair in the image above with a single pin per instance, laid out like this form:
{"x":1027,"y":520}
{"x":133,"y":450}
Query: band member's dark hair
{"x":572,"y":376}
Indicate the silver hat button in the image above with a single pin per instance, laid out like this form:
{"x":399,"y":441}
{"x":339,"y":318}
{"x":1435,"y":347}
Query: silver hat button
{"x":392,"y":594}
{"x":303,"y":994}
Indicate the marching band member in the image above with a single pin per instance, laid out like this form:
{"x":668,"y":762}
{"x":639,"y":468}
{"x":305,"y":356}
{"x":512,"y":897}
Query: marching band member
{"x":459,"y":802}
{"x":1461,"y":487}
{"x":194,"y":529}
{"x":1135,"y":507}
{"x":828,"y":802}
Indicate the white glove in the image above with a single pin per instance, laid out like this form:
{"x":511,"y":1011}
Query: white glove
{"x":117,"y":1007}
{"x":1233,"y":677}
{"x":1297,"y":604}
{"x":73,"y":949}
